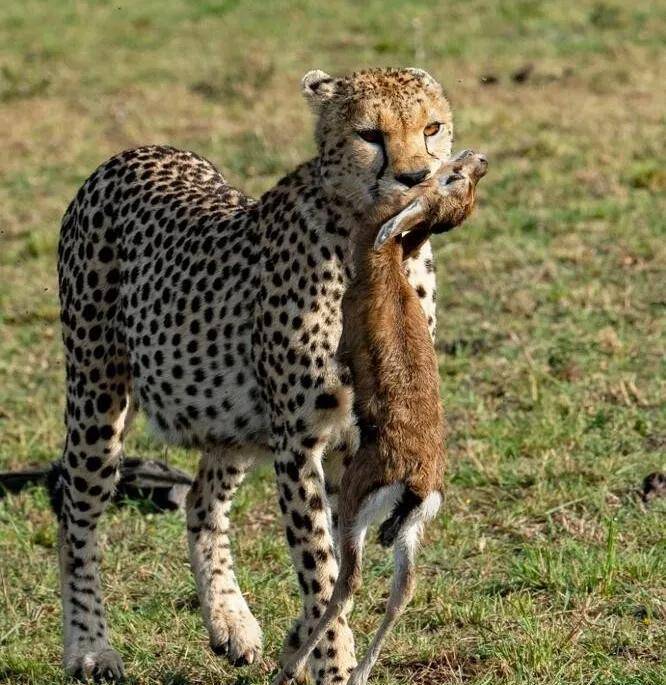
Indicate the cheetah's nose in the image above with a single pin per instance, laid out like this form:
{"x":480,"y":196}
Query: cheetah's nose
{"x":411,"y":178}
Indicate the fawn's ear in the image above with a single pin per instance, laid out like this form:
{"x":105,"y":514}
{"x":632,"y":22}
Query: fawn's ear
{"x":317,"y":87}
{"x":404,"y":221}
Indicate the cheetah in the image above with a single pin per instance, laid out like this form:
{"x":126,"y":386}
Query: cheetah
{"x":399,"y":468}
{"x":220,"y":317}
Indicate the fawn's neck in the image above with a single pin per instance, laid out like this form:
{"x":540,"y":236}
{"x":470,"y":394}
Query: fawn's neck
{"x":392,"y":339}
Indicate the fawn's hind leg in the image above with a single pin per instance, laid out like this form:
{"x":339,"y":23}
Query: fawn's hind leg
{"x":348,"y":581}
{"x":401,"y":593}
{"x":232,"y":628}
{"x":353,"y":528}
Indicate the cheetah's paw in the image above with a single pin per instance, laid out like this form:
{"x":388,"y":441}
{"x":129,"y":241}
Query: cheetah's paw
{"x":239,"y":637}
{"x":102,"y":665}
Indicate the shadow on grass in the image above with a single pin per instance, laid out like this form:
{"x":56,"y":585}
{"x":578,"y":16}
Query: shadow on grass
{"x":180,"y":678}
{"x":18,"y":675}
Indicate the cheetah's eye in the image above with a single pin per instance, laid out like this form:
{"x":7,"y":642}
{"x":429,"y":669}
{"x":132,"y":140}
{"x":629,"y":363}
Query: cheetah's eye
{"x":372,"y":135}
{"x":432,"y":129}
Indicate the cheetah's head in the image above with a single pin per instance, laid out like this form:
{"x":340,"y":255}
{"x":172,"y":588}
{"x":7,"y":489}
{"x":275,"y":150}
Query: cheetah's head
{"x":379,"y":132}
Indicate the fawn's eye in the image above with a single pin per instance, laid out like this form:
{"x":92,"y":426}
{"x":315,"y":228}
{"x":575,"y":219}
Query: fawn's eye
{"x":432,"y":129}
{"x":371,"y":135}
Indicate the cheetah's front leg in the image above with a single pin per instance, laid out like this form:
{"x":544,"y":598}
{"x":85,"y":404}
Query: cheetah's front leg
{"x":420,"y":272}
{"x":232,"y":628}
{"x":336,"y":460}
{"x":307,"y":523}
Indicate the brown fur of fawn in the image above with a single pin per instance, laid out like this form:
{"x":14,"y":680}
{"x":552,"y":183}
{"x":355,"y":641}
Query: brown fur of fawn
{"x":400,"y":466}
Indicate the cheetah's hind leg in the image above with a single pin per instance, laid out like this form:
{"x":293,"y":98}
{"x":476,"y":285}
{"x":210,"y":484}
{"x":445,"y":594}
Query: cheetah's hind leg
{"x":90,"y":462}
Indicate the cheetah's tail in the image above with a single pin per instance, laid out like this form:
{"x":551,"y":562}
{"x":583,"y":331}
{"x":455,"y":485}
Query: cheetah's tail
{"x":15,"y":481}
{"x":140,"y":479}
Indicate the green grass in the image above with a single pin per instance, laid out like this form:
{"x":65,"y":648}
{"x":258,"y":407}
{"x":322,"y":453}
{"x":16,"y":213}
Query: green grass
{"x":545,"y":566}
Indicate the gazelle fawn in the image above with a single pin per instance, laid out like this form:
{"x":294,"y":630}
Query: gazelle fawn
{"x":398,"y":471}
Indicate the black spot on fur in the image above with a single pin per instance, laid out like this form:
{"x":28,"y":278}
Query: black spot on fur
{"x":326,"y":401}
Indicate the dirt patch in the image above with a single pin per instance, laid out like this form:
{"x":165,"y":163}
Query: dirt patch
{"x":448,"y":668}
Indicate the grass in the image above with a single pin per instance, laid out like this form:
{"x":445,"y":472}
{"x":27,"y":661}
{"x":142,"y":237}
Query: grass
{"x":545,"y":566}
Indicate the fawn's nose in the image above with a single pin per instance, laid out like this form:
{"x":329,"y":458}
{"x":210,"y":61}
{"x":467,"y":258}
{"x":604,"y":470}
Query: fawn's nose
{"x":411,"y":178}
{"x":481,"y":164}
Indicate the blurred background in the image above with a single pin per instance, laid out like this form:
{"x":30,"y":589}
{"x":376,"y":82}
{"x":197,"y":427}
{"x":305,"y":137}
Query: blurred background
{"x":546,"y":566}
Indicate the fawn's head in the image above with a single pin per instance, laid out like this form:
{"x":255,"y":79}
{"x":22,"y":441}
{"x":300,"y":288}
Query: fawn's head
{"x":441,"y":203}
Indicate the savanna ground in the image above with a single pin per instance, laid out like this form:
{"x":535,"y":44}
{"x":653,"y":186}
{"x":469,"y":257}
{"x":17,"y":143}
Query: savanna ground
{"x":545,"y":566}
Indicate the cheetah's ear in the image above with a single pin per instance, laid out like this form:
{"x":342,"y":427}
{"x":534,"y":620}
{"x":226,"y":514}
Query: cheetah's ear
{"x":317,"y":87}
{"x":424,"y":76}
